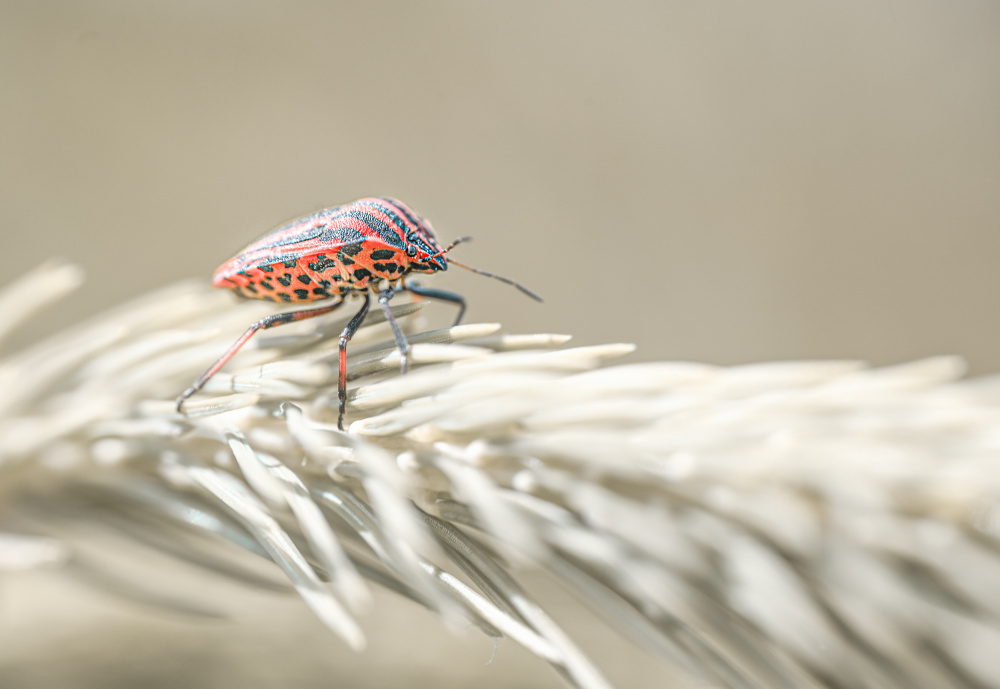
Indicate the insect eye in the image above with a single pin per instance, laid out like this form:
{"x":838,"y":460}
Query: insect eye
{"x":411,"y":251}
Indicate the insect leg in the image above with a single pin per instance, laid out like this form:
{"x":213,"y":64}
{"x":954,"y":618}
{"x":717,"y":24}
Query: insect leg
{"x":262,"y":324}
{"x":442,"y":296}
{"x":345,"y":337}
{"x":401,"y":343}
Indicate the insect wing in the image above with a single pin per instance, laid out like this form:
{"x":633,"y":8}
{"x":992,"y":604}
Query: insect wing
{"x":309,"y":235}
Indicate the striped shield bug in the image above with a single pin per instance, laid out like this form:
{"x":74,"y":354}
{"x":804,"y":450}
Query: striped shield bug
{"x":368,"y":246}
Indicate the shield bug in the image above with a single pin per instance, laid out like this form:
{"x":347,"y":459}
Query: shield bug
{"x":369,"y":246}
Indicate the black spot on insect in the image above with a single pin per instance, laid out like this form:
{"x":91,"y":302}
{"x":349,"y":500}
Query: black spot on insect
{"x":266,"y":269}
{"x":267,"y":285}
{"x":382,"y":254}
{"x":251,"y":287}
{"x":245,"y":274}
{"x":336,"y":278}
{"x":391,"y":267}
{"x":304,"y":279}
{"x":352,"y":249}
{"x":380,"y":267}
{"x":285,"y":279}
{"x":324,"y":283}
{"x":291,"y":263}
{"x":346,"y":260}
{"x":344,"y":289}
{"x":302,"y":293}
{"x":322,"y":263}
{"x":285,"y":296}
{"x":362,"y":273}
{"x":319,"y":292}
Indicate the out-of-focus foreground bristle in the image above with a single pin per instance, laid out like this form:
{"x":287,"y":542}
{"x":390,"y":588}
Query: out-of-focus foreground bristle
{"x":798,"y":524}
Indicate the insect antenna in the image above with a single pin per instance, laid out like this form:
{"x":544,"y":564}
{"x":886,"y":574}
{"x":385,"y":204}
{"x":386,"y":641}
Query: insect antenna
{"x":450,"y":247}
{"x":501,"y":278}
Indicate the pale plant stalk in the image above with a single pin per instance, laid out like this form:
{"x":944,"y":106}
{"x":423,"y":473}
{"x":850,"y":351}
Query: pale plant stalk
{"x":792,"y":524}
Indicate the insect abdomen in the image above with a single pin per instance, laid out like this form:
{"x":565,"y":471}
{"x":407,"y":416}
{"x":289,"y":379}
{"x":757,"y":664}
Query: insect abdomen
{"x":288,"y":282}
{"x":319,"y":276}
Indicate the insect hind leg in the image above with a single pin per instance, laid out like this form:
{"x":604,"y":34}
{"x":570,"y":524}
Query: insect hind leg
{"x":263,"y":324}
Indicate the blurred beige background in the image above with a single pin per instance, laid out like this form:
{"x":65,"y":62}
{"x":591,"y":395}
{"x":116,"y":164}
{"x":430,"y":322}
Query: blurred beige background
{"x":723,"y":182}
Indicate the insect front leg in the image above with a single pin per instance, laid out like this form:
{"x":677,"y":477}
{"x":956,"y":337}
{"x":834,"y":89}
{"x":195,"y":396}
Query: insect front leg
{"x":441,"y":295}
{"x":263,"y":324}
{"x":401,"y":344}
{"x":345,"y":337}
